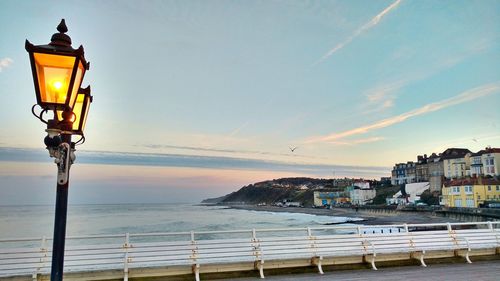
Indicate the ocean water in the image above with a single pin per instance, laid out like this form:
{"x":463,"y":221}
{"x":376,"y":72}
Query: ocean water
{"x":37,"y":221}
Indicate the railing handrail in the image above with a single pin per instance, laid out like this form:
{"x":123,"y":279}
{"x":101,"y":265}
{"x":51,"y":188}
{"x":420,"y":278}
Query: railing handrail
{"x":249,"y":231}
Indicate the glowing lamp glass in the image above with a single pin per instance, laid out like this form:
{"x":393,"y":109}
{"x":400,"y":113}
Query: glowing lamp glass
{"x":57,"y":79}
{"x":80,"y":111}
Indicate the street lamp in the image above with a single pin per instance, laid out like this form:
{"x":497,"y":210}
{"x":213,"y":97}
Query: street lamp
{"x":58,"y":72}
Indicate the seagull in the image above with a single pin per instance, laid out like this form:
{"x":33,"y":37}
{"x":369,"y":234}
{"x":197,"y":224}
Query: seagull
{"x":293,"y":149}
{"x":474,"y":140}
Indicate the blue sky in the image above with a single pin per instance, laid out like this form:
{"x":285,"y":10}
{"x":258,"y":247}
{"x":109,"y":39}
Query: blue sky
{"x":351,"y":83}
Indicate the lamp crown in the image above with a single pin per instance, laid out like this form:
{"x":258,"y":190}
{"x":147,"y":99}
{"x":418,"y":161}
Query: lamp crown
{"x":60,"y":38}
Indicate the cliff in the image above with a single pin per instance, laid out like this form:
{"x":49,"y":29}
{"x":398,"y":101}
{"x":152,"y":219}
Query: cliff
{"x":292,"y":189}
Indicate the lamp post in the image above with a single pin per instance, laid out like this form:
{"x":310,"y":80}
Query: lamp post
{"x":58,"y":72}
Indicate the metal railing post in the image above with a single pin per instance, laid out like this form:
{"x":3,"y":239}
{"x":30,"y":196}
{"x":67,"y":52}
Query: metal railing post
{"x":126,"y":261}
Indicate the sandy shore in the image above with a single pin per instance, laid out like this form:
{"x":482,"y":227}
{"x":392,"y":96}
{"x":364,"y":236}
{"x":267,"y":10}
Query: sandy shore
{"x":368,"y":218}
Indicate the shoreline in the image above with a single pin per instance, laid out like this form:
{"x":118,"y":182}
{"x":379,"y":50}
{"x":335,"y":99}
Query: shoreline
{"x":365,"y":217}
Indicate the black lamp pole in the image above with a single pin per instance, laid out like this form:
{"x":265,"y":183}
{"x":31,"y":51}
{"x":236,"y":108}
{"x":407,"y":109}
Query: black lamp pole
{"x":61,"y":209}
{"x":59,"y":231}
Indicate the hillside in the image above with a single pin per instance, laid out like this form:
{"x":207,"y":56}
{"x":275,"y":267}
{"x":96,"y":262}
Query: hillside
{"x":293,"y":189}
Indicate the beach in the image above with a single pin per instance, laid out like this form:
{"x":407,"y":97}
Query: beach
{"x":361,"y":216}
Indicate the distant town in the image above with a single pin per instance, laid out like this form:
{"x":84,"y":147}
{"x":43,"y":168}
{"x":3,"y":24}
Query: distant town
{"x":456,"y":177}
{"x":459,"y":176}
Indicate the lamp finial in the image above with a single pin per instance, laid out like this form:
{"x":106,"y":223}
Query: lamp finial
{"x":61,"y":38}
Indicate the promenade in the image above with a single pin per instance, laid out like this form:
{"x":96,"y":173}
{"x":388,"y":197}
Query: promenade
{"x":369,"y":218}
{"x":477,"y":271}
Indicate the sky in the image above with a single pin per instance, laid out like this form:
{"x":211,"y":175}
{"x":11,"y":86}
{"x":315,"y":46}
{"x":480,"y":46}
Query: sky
{"x":194,"y":99}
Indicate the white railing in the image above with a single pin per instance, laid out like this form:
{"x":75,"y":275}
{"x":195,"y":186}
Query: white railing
{"x":196,"y":249}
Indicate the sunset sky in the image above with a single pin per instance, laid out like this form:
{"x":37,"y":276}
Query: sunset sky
{"x":193,"y":99}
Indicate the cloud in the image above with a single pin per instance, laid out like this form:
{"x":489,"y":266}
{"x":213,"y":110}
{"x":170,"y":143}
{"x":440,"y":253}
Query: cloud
{"x":373,"y":22}
{"x":237,"y":130}
{"x":5,"y":62}
{"x":383,"y":96}
{"x":221,"y":150}
{"x":191,"y":161}
{"x":358,"y":141}
{"x":466,"y":96}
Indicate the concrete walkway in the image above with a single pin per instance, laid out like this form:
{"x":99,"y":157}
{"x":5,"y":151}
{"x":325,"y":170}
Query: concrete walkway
{"x":477,"y":271}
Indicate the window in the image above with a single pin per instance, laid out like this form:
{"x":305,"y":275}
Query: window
{"x":468,"y":189}
{"x":469,"y":203}
{"x":498,"y":188}
{"x":489,"y":187}
{"x":458,"y":202}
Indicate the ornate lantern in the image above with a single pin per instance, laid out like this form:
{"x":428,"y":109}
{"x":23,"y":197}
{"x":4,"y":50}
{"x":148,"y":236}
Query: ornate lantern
{"x":58,"y":70}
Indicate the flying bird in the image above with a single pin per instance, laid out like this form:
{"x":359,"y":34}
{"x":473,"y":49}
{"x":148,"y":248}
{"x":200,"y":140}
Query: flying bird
{"x":474,"y":140}
{"x":293,"y":149}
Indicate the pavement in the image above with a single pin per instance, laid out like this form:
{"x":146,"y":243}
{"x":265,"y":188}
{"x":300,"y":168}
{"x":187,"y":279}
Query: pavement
{"x":370,"y":218}
{"x":477,"y":271}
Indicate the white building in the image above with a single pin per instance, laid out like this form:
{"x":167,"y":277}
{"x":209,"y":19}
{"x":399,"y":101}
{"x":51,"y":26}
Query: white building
{"x":362,"y":184}
{"x":491,"y":161}
{"x":361,"y":196}
{"x":485,"y":162}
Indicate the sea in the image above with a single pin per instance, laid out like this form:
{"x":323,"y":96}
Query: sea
{"x":84,"y":220}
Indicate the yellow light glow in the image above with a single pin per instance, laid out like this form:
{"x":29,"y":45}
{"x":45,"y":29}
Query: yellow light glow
{"x":58,"y":85}
{"x":57,"y":88}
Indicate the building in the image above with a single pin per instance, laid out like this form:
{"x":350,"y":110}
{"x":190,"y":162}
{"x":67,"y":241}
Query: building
{"x":470,"y":192}
{"x":398,"y":174}
{"x":456,"y":162}
{"x":453,"y":163}
{"x":422,"y":169}
{"x":330,"y":197}
{"x":485,"y":162}
{"x":361,"y":196}
{"x":362,"y":184}
{"x":436,"y":172}
{"x":411,"y":172}
{"x":385,"y":181}
{"x":476,"y":164}
{"x":342,"y":183}
{"x":403,"y":173}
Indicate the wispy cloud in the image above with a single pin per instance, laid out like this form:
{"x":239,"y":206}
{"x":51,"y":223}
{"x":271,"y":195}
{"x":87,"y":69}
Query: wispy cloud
{"x":223,"y":150}
{"x":383,"y":96}
{"x":5,"y":62}
{"x":237,"y":130}
{"x":466,"y":96}
{"x":373,"y":22}
{"x":358,"y":141}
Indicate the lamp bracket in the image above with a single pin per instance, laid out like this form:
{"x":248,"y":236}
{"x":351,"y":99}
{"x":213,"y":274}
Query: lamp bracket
{"x":65,"y":156}
{"x":81,"y":140}
{"x":39,"y":115}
